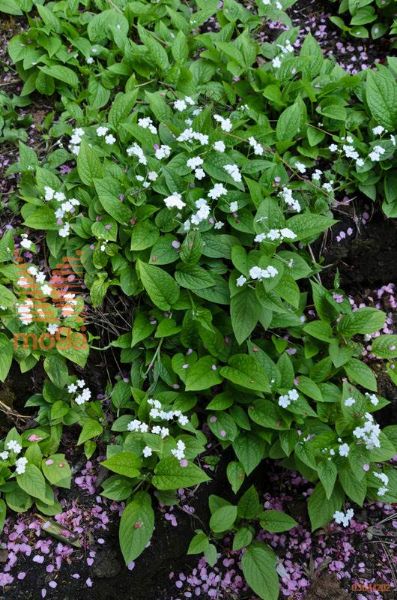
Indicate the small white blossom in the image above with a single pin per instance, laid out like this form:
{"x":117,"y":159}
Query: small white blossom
{"x":20,"y":465}
{"x":147,"y":451}
{"x":240,"y":281}
{"x":342,"y":518}
{"x":174,"y":201}
{"x":110,"y":139}
{"x":102,"y":131}
{"x":219,"y":146}
{"x":226,"y":124}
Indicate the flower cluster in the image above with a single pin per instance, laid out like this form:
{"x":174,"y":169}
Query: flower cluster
{"x":64,"y":208}
{"x":342,"y":518}
{"x":15,"y":448}
{"x":285,"y":400}
{"x":286,"y":195}
{"x":385,"y":480}
{"x":369,"y":432}
{"x":82,"y":396}
{"x":276,"y":235}
{"x":75,"y":140}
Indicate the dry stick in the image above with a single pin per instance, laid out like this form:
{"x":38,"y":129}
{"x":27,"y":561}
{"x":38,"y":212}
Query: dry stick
{"x":9,"y":411}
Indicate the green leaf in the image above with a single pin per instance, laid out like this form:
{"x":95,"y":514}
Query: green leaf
{"x":223,"y":518}
{"x":249,"y":449}
{"x":3,"y":507}
{"x":77,"y":348}
{"x":359,"y":372}
{"x":290,"y":121}
{"x":144,"y":235}
{"x":89,"y":166}
{"x":33,"y":483}
{"x":381,"y":95}
{"x":307,"y":226}
{"x":107,"y":194}
{"x":10,"y":7}
{"x":242,"y":538}
{"x":259,"y":568}
{"x":385,"y":346}
{"x":57,"y":470}
{"x":160,"y":286}
{"x":249,"y":506}
{"x":201,"y":375}
{"x":245,"y":371}
{"x":124,"y":463}
{"x":136,"y":526}
{"x":6,"y":354}
{"x":198,"y":544}
{"x":322,"y":509}
{"x":245,"y":312}
{"x":169,"y":475}
{"x":277,"y":521}
{"x":235,"y":475}
{"x":121,"y":108}
{"x":61,"y":73}
{"x":327,"y":473}
{"x":91,"y":428}
{"x":363,"y":321}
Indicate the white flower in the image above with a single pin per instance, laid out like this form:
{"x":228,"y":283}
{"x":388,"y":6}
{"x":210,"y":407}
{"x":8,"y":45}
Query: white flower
{"x":14,"y":446}
{"x":376,"y":153}
{"x":102,"y":131}
{"x":258,"y":149}
{"x":134,"y":425}
{"x":349,"y":401}
{"x":65,"y":230}
{"x":219,"y":146}
{"x":360,"y":162}
{"x":174,"y":201}
{"x":79,"y":382}
{"x":328,"y":187}
{"x":147,"y":451}
{"x":259,"y":274}
{"x":72,"y":388}
{"x":52,"y":328}
{"x":25,"y":242}
{"x":240,"y":281}
{"x":333,"y":148}
{"x":234,"y":172}
{"x":217,"y":191}
{"x":20,"y":465}
{"x":48,"y":193}
{"x":234,"y":206}
{"x":300,"y":167}
{"x":179,"y":451}
{"x":147,"y":123}
{"x":276,"y":62}
{"x":4,"y":455}
{"x":350,"y":152}
{"x":152,"y":175}
{"x":137,"y":151}
{"x":369,"y":433}
{"x":219,"y":225}
{"x":110,"y":139}
{"x":180,"y":105}
{"x":183,"y":420}
{"x":226,"y":124}
{"x":163,"y":152}
{"x":342,"y":518}
{"x":199,"y":174}
{"x":286,"y":195}
{"x":46,"y":289}
{"x":344,"y":449}
{"x":372,"y":398}
{"x":194,"y":162}
{"x":284,"y":401}
{"x":378,"y":130}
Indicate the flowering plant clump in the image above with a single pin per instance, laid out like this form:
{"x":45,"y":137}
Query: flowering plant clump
{"x":368,"y":18}
{"x":202,"y":208}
